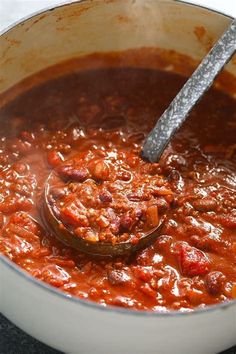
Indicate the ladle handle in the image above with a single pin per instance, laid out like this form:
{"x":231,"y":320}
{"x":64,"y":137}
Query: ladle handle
{"x":200,"y":81}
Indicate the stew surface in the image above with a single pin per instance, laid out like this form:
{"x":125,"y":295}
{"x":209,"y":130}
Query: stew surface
{"x":89,"y":127}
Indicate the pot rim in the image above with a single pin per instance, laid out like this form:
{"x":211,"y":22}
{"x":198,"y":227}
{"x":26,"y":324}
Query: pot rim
{"x":88,"y":303}
{"x":71,"y":2}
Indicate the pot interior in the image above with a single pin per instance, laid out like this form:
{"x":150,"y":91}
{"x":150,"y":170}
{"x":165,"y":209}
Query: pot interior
{"x":83,"y":28}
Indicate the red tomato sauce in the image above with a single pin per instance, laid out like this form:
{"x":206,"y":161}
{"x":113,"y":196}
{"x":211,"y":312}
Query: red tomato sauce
{"x":102,"y":116}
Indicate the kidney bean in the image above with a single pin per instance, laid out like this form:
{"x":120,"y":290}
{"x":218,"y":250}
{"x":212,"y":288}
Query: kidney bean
{"x":124,"y":175}
{"x":126,"y":223}
{"x":139,"y":196}
{"x":55,"y":275}
{"x":58,"y":192}
{"x":123,"y":301}
{"x":68,"y":263}
{"x":138,"y":213}
{"x":118,"y":277}
{"x":105,"y":196}
{"x":162,"y":205}
{"x":205,"y":204}
{"x":99,"y":170}
{"x":214,"y":282}
{"x":134,"y":197}
{"x":69,"y":172}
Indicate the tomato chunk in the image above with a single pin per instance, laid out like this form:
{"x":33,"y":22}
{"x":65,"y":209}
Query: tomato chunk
{"x":191,"y":260}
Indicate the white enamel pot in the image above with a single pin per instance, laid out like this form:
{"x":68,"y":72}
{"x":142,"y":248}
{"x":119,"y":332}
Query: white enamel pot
{"x":70,"y":324}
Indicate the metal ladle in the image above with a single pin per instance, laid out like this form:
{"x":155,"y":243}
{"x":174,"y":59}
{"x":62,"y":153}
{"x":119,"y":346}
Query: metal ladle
{"x":153,"y":147}
{"x":200,"y":81}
